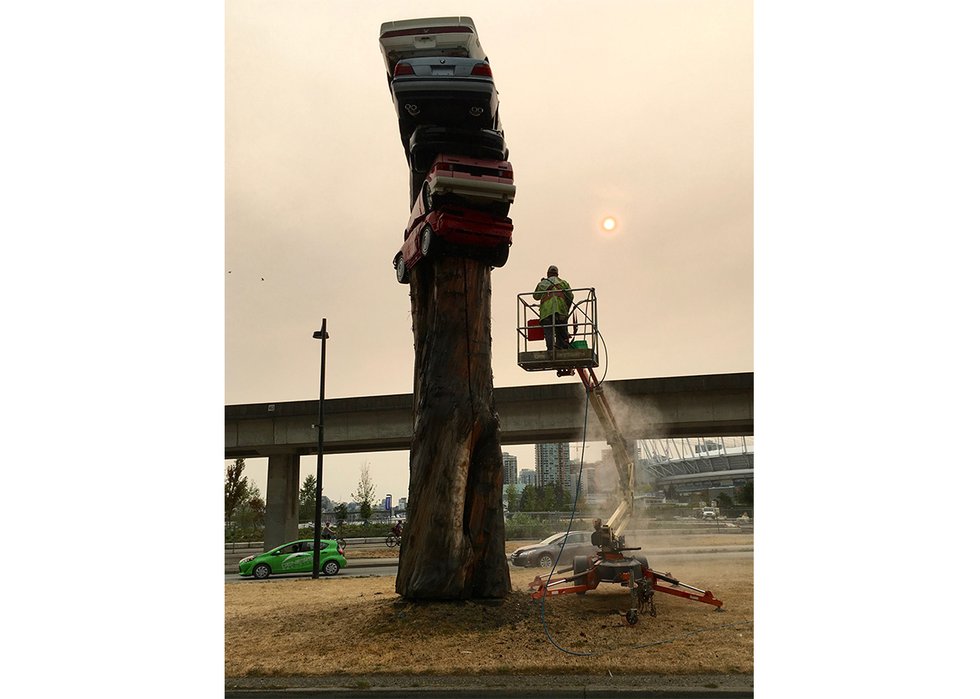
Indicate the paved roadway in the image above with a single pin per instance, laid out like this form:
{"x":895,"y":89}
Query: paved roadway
{"x":356,"y":568}
{"x":366,"y":567}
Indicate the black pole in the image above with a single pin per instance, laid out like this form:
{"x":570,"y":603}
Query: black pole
{"x":317,"y":519}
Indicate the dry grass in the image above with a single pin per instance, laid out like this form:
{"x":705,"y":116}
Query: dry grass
{"x":359,"y":626}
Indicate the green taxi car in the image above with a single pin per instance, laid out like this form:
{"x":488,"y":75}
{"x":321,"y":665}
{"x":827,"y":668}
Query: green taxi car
{"x":294,"y":557}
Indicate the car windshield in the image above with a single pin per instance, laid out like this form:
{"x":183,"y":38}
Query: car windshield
{"x":552,"y":539}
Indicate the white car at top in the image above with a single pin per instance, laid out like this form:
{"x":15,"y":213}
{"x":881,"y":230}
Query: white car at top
{"x":428,"y":37}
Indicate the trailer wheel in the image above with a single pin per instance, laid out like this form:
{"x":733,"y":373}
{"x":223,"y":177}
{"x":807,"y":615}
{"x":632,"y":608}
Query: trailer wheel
{"x":580,"y":564}
{"x":632,"y":616}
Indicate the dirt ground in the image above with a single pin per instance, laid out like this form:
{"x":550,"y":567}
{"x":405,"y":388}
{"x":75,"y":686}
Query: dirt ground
{"x":360,"y":627}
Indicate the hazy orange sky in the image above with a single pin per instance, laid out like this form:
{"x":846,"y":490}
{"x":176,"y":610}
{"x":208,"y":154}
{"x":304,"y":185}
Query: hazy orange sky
{"x":639,"y":110}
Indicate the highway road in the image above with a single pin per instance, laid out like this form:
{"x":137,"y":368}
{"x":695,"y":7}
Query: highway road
{"x":356,"y":568}
{"x":366,"y":567}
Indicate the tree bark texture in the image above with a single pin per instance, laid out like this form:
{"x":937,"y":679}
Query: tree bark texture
{"x":453,"y":544}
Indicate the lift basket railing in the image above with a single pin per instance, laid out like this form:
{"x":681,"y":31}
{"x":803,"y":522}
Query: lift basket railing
{"x":583,"y":331}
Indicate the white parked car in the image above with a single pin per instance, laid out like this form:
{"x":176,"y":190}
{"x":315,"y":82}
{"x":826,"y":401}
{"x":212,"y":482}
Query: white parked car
{"x":427,"y":37}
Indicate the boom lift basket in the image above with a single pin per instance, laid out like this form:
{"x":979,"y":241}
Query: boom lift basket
{"x":582,"y":330}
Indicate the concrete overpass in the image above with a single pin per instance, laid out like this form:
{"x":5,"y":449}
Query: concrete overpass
{"x":681,"y":406}
{"x":684,"y":406}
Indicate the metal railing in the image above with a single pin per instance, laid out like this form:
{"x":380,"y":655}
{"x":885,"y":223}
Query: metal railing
{"x":582,"y":324}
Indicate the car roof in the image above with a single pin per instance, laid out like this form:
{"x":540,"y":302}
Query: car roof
{"x":557,"y":534}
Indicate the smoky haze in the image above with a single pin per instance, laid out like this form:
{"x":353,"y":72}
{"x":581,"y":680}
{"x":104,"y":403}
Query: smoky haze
{"x":647,"y":120}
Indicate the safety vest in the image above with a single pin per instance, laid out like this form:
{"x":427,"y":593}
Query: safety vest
{"x":554,"y":295}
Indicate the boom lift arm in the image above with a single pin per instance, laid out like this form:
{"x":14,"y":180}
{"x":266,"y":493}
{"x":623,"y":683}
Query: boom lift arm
{"x":621,"y":454}
{"x":610,"y":564}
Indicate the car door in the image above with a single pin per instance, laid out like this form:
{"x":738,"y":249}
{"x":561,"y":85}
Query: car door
{"x":578,"y":545}
{"x":557,"y":551}
{"x":300,"y":560}
{"x":564,"y":554}
{"x":274,"y":559}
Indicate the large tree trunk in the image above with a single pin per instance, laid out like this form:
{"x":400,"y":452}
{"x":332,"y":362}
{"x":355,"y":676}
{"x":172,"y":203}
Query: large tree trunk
{"x":453,"y":546}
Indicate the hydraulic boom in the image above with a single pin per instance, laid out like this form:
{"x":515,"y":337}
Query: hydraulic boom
{"x":613,"y":562}
{"x":621,"y":454}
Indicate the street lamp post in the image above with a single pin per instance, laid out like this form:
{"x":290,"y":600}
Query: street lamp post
{"x":322,"y":336}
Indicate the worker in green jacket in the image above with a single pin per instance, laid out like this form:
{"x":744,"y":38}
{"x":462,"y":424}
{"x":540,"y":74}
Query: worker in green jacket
{"x":556,"y":298}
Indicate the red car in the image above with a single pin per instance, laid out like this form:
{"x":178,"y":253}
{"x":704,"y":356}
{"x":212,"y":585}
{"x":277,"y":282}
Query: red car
{"x":453,"y":227}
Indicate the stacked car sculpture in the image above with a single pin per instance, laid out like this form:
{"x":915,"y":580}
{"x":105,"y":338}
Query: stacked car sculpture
{"x":461,"y":185}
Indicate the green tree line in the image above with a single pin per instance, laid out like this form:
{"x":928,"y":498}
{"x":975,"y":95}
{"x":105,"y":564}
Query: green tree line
{"x":244,"y":506}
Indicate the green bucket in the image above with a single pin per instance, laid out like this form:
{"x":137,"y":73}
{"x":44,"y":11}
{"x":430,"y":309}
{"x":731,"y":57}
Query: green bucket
{"x":580,"y":344}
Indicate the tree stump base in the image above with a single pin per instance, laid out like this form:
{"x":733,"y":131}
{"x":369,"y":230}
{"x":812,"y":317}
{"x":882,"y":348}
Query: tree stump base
{"x":453,"y":544}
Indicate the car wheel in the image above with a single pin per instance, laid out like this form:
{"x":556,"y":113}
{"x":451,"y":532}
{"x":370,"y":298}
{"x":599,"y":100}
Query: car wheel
{"x":500,"y":208}
{"x":427,"y":243}
{"x":331,"y":568}
{"x":546,"y":561}
{"x":427,"y":201}
{"x":261,"y":571}
{"x":415,"y":186}
{"x":498,"y":258}
{"x":401,"y":274}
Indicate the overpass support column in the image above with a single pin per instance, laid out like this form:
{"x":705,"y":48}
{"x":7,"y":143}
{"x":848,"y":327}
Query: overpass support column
{"x":282,"y":501}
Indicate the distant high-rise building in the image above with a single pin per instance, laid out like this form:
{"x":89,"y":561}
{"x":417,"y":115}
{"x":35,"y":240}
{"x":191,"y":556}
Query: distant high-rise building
{"x":527,"y":476}
{"x":589,"y":483}
{"x":551,"y":464}
{"x":510,"y":468}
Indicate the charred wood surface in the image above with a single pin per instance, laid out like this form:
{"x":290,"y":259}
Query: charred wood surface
{"x":453,"y":545}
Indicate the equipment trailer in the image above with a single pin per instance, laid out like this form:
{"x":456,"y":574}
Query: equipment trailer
{"x":610,"y":564}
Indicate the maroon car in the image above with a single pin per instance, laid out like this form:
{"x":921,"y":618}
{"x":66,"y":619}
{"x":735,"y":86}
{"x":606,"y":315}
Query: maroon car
{"x":454,"y":226}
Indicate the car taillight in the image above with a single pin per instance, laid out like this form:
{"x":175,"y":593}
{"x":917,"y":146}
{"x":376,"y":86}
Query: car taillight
{"x":482,"y":69}
{"x":340,"y":550}
{"x":404,"y":69}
